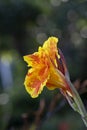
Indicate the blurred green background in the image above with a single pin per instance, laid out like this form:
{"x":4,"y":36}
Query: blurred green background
{"x":25,"y":25}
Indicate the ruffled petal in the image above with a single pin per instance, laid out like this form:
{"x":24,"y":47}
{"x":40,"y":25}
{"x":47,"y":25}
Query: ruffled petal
{"x":35,"y":81}
{"x":37,"y":59}
{"x":50,"y":46}
{"x":32,"y":60}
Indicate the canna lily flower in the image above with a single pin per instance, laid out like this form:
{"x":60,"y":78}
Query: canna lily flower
{"x":46,"y":68}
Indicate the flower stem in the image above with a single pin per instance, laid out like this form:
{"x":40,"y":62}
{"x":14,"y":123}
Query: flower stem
{"x":80,"y":106}
{"x":75,"y":101}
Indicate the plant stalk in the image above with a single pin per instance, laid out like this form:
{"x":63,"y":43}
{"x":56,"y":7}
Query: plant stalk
{"x":78,"y":102}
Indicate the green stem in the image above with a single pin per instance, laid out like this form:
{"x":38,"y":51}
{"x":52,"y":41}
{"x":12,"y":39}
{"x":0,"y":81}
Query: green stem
{"x":79,"y":103}
{"x":75,"y":102}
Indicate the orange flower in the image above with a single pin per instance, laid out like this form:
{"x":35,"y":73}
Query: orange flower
{"x":46,"y":70}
